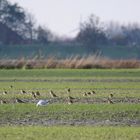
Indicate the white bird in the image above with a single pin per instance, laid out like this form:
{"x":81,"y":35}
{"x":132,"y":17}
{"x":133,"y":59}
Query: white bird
{"x":42,"y":102}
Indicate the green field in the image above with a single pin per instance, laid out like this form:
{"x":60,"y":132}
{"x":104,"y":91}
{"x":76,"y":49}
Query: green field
{"x":92,"y":115}
{"x":71,"y":73}
{"x":117,"y":114}
{"x":70,"y":133}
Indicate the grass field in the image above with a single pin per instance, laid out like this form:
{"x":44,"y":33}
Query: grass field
{"x":70,"y":133}
{"x":92,"y":115}
{"x":117,"y":114}
{"x":71,"y":73}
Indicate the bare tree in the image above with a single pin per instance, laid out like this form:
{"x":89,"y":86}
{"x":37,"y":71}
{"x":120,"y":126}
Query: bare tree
{"x":30,"y":30}
{"x":91,"y":33}
{"x":44,"y":35}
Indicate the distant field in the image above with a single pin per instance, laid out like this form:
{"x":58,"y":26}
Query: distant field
{"x":71,"y":73}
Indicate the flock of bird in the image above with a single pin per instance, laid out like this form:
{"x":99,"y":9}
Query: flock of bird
{"x":42,"y":102}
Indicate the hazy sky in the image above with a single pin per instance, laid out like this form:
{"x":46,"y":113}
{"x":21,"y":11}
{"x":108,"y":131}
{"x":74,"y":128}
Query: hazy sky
{"x":63,"y":16}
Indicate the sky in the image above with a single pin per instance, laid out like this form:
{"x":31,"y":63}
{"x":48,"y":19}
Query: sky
{"x":63,"y":16}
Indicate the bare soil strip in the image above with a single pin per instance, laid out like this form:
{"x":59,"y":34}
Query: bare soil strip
{"x":45,"y":122}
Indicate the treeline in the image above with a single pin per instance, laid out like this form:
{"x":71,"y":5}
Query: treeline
{"x":93,"y":33}
{"x":19,"y":27}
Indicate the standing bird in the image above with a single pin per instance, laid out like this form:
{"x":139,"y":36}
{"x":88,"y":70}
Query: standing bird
{"x":111,"y":95}
{"x":110,"y":101}
{"x":93,"y":92}
{"x":68,"y":90}
{"x":19,"y":101}
{"x":70,"y":98}
{"x":5,"y":92}
{"x":89,"y":93}
{"x":33,"y":94}
{"x":70,"y":102}
{"x":85,"y":94}
{"x":52,"y":94}
{"x":37,"y":93}
{"x":2,"y":102}
{"x":11,"y":86}
{"x":22,"y":91}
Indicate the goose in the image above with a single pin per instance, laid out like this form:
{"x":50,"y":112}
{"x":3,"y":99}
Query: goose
{"x":42,"y":102}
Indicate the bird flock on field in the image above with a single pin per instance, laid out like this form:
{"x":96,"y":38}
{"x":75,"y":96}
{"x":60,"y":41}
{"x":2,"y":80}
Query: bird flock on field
{"x":42,"y":102}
